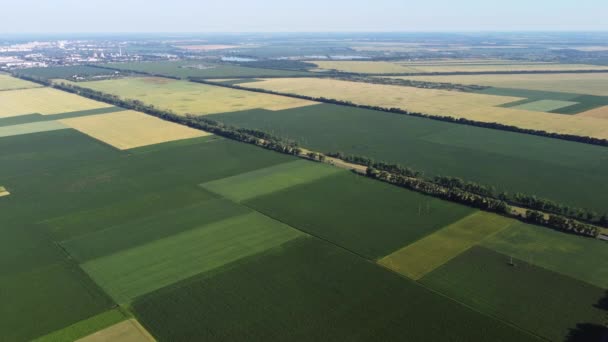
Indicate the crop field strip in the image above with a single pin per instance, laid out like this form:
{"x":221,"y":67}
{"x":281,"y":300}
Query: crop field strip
{"x":471,"y":106}
{"x":277,"y":295}
{"x":185,"y":69}
{"x":380,"y":67}
{"x":486,"y":281}
{"x":45,"y":101}
{"x":66,"y":72}
{"x":425,"y":255}
{"x":8,"y":82}
{"x":129,"y":129}
{"x":31,"y":118}
{"x":29,"y":128}
{"x":269,"y":180}
{"x":588,"y":83}
{"x":509,"y":161}
{"x":185,"y":97}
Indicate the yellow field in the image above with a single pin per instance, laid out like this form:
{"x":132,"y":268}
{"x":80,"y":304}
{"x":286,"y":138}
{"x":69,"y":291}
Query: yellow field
{"x":442,"y":66}
{"x":185,"y":97}
{"x":45,"y":101}
{"x":429,"y":253}
{"x":591,"y":84}
{"x":478,"y":107}
{"x":600,"y":113}
{"x":129,"y":129}
{"x":8,"y":82}
{"x":126,"y":331}
{"x":3,"y":192}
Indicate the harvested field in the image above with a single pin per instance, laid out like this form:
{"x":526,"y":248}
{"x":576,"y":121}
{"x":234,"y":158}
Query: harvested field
{"x":370,"y":218}
{"x":134,"y":272}
{"x":29,"y":128}
{"x":192,"y":98}
{"x":45,"y":101}
{"x":591,"y":84}
{"x":478,"y":107}
{"x":265,"y":181}
{"x":126,"y":331}
{"x":600,"y":113}
{"x":278,"y":295}
{"x":432,"y":251}
{"x":8,"y":82}
{"x":129,"y":129}
{"x":379,"y":67}
{"x":533,"y":298}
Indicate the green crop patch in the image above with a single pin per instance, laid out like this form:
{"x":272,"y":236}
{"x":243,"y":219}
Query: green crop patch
{"x":67,"y":72}
{"x":279,"y":295}
{"x":88,"y":221}
{"x":368,"y":217}
{"x":200,"y":69}
{"x":571,"y":255}
{"x":133,"y":272}
{"x":29,"y":128}
{"x":545,"y":105}
{"x":8,"y":82}
{"x":30,"y":118}
{"x":585,"y":103}
{"x":46,"y":299}
{"x":149,"y":228}
{"x":511,"y":162}
{"x":268,"y":180}
{"x":85,"y":327}
{"x":432,"y":251}
{"x":535,"y":299}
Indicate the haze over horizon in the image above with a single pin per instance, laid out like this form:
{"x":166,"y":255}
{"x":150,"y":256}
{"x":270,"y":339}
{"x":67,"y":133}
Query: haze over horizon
{"x":137,"y":16}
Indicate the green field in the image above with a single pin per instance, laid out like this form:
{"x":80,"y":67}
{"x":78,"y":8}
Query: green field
{"x":508,"y":161}
{"x":85,"y":327}
{"x":52,"y":296}
{"x":136,"y":271}
{"x":149,"y":226}
{"x":28,"y":128}
{"x":370,"y":218}
{"x":545,"y":105}
{"x":530,"y":297}
{"x":549,"y":101}
{"x":53,"y":175}
{"x":8,"y":82}
{"x":66,"y":72}
{"x":265,"y":181}
{"x":310,"y":291}
{"x":185,"y":69}
{"x":574,"y":256}
{"x":429,"y":253}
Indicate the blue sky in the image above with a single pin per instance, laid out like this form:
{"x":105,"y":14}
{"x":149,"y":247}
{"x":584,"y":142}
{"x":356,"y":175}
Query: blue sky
{"x":53,"y":16}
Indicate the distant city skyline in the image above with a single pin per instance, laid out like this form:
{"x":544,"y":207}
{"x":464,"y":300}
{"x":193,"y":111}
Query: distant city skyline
{"x":130,"y":16}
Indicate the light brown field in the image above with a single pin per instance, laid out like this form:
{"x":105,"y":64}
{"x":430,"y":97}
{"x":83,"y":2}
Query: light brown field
{"x":478,"y":107}
{"x":45,"y":101}
{"x":591,"y":84}
{"x":380,"y":67}
{"x":129,"y":129}
{"x":185,"y":97}
{"x":8,"y":82}
{"x":600,"y":113}
{"x":125,"y":331}
{"x":206,"y":47}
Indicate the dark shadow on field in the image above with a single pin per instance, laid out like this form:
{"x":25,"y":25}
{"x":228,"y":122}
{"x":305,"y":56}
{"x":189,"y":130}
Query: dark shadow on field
{"x":592,"y":332}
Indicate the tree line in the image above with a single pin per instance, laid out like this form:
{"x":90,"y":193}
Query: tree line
{"x":463,"y":121}
{"x":448,"y":188}
{"x":411,"y":83}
